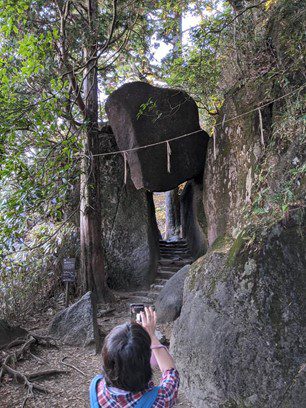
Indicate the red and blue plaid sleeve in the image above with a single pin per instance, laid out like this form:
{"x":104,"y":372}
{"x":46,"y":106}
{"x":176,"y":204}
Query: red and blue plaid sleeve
{"x":166,"y":397}
{"x":168,"y":391}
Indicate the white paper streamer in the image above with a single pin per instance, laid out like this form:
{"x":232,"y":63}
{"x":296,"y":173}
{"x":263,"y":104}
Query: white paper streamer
{"x":214,"y":140}
{"x":168,"y":157}
{"x":125,"y":166}
{"x":262,"y":140}
{"x":223,"y":120}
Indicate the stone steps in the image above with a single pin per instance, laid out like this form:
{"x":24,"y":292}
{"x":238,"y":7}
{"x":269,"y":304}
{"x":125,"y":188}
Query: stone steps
{"x":175,"y":262}
{"x":165,"y":274}
{"x":160,"y":280}
{"x":156,"y":287}
{"x":169,"y":268}
{"x":175,"y":244}
{"x":175,"y":248}
{"x":174,"y":255}
{"x":182,"y":254}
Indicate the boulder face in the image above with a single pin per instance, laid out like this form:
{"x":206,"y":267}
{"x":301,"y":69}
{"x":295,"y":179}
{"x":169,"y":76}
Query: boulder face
{"x":77,"y":325}
{"x":194,"y":227}
{"x":229,"y":177}
{"x":129,"y":230}
{"x":141,"y":114}
{"x":240,"y":340}
{"x":169,"y":302}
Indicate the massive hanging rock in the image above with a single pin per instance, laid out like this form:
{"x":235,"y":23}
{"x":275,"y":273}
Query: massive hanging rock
{"x":240,"y":340}
{"x":141,"y":114}
{"x":129,"y":230}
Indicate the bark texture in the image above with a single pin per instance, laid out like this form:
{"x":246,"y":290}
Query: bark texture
{"x":92,"y":262}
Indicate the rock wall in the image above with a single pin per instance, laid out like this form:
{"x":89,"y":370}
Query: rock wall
{"x":229,"y":178}
{"x":193,"y":219}
{"x":129,"y":229}
{"x":240,"y":340}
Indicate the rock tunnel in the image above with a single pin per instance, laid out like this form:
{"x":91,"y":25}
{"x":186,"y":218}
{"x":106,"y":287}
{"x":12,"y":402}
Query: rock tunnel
{"x":158,"y":133}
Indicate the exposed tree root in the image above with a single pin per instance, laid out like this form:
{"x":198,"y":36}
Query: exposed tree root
{"x":7,"y":366}
{"x":39,"y":359}
{"x":46,"y":373}
{"x":72,"y":366}
{"x":14,"y":343}
{"x":19,"y":354}
{"x":22,"y":378}
{"x":45,"y":341}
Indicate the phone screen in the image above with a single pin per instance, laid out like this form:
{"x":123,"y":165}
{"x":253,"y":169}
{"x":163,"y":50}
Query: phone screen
{"x":136,"y":308}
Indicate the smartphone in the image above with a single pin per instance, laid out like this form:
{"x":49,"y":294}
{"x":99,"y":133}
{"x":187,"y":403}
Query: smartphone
{"x":135,"y":309}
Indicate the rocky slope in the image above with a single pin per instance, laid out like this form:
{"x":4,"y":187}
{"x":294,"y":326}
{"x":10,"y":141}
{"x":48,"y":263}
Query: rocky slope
{"x":240,"y":340}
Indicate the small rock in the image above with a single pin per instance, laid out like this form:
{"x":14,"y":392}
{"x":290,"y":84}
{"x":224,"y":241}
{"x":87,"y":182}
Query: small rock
{"x":161,"y":337}
{"x":250,"y":401}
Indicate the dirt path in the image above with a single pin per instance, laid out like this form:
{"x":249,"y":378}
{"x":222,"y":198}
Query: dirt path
{"x":68,"y":390}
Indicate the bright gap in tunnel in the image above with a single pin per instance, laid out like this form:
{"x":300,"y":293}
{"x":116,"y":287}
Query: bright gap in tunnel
{"x":165,"y":214}
{"x":160,"y":211}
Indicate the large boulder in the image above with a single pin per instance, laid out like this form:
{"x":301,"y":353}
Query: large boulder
{"x":240,"y":340}
{"x":10,"y":333}
{"x":169,"y":302}
{"x":77,"y":325}
{"x":193,"y":219}
{"x":141,"y":114}
{"x":129,"y":230}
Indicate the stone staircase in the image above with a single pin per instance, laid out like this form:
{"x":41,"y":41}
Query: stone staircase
{"x":173,"y":256}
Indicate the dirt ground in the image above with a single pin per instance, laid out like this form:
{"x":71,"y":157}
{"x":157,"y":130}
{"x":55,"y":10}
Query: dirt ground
{"x":70,"y":389}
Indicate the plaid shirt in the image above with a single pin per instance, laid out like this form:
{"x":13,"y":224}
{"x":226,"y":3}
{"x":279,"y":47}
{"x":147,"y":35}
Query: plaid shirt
{"x":166,"y":397}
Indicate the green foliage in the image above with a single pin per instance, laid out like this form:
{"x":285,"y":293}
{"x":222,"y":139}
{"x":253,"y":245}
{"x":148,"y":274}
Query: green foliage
{"x":146,"y":108}
{"x":42,"y":126}
{"x":42,"y":129}
{"x":195,"y":61}
{"x":280,"y":183}
{"x":28,"y":276}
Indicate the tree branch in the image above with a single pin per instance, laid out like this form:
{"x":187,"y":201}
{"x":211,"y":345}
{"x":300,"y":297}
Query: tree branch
{"x":112,"y":28}
{"x":230,"y":22}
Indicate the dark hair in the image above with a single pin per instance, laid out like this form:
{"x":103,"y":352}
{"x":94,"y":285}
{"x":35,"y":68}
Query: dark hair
{"x":126,"y":357}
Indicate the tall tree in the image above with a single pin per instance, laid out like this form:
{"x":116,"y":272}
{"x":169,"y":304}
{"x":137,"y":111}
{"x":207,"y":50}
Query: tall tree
{"x":173,"y":215}
{"x":54,"y":55}
{"x":92,"y":261}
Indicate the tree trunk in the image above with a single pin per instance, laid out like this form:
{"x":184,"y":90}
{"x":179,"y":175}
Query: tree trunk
{"x":92,"y":259}
{"x":173,"y":221}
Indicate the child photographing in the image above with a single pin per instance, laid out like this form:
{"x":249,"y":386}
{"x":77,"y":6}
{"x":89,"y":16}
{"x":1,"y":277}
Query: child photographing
{"x":127,"y":373}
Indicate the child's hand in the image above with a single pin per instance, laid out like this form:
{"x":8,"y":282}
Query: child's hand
{"x":148,"y":320}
